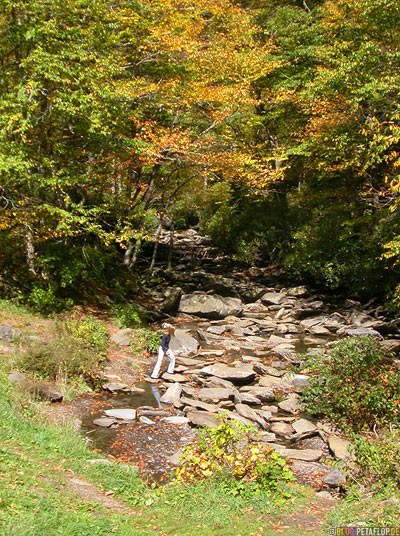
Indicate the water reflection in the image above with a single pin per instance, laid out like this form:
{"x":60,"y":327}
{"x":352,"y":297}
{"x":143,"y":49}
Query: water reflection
{"x":156,"y":393}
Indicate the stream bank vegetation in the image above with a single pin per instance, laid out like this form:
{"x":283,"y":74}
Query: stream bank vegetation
{"x":356,"y":385}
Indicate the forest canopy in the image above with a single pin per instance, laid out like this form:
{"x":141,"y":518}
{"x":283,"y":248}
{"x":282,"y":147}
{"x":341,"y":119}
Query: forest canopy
{"x":274,"y":126}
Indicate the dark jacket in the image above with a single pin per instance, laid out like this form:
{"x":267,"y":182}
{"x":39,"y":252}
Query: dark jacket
{"x":165,"y":343}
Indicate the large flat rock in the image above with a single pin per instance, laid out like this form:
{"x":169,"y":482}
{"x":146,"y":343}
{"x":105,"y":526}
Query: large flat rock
{"x":213,"y":395}
{"x":202,"y":418}
{"x":244,"y":374}
{"x":172,"y":394}
{"x":210,"y":305}
{"x":125,"y":414}
{"x":183,"y":344}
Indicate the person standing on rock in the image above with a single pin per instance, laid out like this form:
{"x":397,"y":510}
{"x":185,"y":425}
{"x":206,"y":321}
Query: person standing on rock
{"x":163,"y":349}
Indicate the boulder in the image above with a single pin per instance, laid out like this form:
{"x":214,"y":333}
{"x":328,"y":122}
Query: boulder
{"x":297,"y":291}
{"x":247,"y":398}
{"x":125,"y":414}
{"x":263,"y":393}
{"x":202,"y":418}
{"x":334,"y":479}
{"x":8,"y":333}
{"x":274,"y":383}
{"x":219,"y":382}
{"x":282,"y":429}
{"x":250,"y":414}
{"x":16,"y":377}
{"x":48,"y":392}
{"x":175,"y":419}
{"x":299,"y":382}
{"x":190,"y":403}
{"x":104,"y":422}
{"x":180,"y":378}
{"x":145,"y":420}
{"x":340,"y":448}
{"x":272,"y":298}
{"x":122,"y":337}
{"x":392,"y":345}
{"x":116,"y":387}
{"x":290,"y":404}
{"x":214,"y":395}
{"x":302,"y":425}
{"x":244,"y":374}
{"x":183,"y":344}
{"x":172,"y":394}
{"x":305,"y":455}
{"x":172,"y":297}
{"x":210,"y":305}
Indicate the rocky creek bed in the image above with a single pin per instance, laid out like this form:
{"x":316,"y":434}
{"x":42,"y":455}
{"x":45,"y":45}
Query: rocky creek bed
{"x":239,"y":347}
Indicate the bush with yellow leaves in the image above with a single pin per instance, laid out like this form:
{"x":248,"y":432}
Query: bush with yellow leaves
{"x":233,"y":452}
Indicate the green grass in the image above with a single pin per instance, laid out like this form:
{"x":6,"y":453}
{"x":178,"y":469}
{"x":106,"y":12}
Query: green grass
{"x":36,"y":459}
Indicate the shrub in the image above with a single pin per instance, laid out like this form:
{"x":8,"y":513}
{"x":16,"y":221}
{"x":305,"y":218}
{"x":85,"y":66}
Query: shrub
{"x":378,"y":460}
{"x":127,"y":315}
{"x":145,"y":340}
{"x":231,"y":452}
{"x":77,"y":350}
{"x":89,"y":330}
{"x":357,"y":386}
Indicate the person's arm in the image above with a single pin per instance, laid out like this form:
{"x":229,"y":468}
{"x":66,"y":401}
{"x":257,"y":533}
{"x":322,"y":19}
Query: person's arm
{"x":165,"y":343}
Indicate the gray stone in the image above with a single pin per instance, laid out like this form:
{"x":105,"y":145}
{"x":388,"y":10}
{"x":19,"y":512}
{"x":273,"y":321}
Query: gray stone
{"x":299,"y":382}
{"x":340,"y":448}
{"x":145,"y":420}
{"x":202,"y":418}
{"x":272,"y":298}
{"x":297,"y":291}
{"x":274,"y":383}
{"x":265,"y":394}
{"x":244,"y":374}
{"x":285,"y":354}
{"x":250,"y":414}
{"x":122,"y":337}
{"x":8,"y":333}
{"x":213,"y":395}
{"x":247,"y":398}
{"x":290,"y":404}
{"x":172,"y":395}
{"x":123,"y":414}
{"x":16,"y":377}
{"x":175,"y":458}
{"x":210,"y":305}
{"x":392,"y":345}
{"x":305,"y":455}
{"x":302,"y":425}
{"x":189,"y":403}
{"x":363,"y":331}
{"x":115,"y":387}
{"x":183,"y":344}
{"x":219,"y":382}
{"x":282,"y":429}
{"x":175,"y":419}
{"x":180,"y":378}
{"x":48,"y":392}
{"x":334,"y":479}
{"x":267,"y":437}
{"x":104,"y":422}
{"x":172,"y":298}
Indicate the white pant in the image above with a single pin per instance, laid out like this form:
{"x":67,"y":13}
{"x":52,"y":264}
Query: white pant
{"x":157,"y":366}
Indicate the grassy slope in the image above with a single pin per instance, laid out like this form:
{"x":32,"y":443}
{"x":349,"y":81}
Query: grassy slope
{"x":37,"y":460}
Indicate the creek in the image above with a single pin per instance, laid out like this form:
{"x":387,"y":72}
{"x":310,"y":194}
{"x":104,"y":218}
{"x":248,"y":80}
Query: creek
{"x":274,"y":327}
